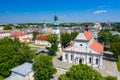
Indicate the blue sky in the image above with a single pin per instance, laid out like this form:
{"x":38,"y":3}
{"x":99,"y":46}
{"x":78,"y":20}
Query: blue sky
{"x":25,"y":11}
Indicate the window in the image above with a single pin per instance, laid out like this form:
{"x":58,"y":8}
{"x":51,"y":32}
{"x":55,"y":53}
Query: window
{"x":90,"y":60}
{"x":97,"y":61}
{"x":65,"y":56}
{"x":81,"y":45}
{"x":71,"y":57}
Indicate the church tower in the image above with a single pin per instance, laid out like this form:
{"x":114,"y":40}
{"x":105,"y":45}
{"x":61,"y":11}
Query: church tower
{"x":56,"y":26}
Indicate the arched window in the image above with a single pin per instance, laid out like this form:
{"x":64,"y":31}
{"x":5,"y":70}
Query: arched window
{"x":90,"y":60}
{"x":65,"y":56}
{"x":71,"y":57}
{"x":96,"y":60}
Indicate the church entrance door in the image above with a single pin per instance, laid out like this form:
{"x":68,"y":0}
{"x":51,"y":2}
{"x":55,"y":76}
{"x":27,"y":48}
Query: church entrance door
{"x":80,"y":61}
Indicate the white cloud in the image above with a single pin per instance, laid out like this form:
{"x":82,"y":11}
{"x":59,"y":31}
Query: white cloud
{"x":100,"y":11}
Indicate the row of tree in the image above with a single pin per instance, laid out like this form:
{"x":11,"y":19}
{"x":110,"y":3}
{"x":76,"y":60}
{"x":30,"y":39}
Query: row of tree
{"x":83,"y":72}
{"x":43,"y":67}
{"x":53,"y":39}
{"x":106,"y":37}
{"x":12,"y":54}
{"x":65,"y":38}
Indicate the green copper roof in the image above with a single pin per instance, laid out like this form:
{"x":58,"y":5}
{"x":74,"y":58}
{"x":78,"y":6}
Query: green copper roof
{"x":55,"y":24}
{"x":55,"y":18}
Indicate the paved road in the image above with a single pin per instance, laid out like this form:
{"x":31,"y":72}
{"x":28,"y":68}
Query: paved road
{"x":58,"y":63}
{"x":61,"y":67}
{"x":109,"y":68}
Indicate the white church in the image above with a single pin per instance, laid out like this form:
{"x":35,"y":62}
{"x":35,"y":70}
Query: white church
{"x":84,"y":50}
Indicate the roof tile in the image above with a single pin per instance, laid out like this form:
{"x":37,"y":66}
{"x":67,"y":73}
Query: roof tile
{"x":17,"y":34}
{"x":42,"y":37}
{"x":97,"y":46}
{"x":88,"y":34}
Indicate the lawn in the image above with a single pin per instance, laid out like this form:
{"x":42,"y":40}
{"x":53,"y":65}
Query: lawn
{"x":118,"y":64}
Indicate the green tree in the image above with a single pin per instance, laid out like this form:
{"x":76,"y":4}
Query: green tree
{"x":1,"y":78}
{"x":53,"y":39}
{"x":116,"y":27}
{"x":43,"y":67}
{"x":110,"y":78}
{"x":73,"y":35}
{"x":81,"y":72}
{"x":7,"y":27}
{"x":65,"y":39}
{"x":105,"y":36}
{"x":12,"y":54}
{"x":115,"y":48}
{"x":35,"y":33}
{"x":53,"y":49}
{"x":115,"y":38}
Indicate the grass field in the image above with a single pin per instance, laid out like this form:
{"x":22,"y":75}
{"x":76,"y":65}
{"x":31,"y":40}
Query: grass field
{"x":118,"y":64}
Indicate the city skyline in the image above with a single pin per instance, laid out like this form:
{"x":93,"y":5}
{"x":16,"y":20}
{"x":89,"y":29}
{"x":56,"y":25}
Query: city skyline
{"x":67,"y":11}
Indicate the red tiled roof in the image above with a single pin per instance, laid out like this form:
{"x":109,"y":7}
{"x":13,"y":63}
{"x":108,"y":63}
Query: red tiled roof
{"x":26,"y":39}
{"x":17,"y":34}
{"x":42,"y":37}
{"x":70,"y":45}
{"x":97,"y":46}
{"x":88,"y":34}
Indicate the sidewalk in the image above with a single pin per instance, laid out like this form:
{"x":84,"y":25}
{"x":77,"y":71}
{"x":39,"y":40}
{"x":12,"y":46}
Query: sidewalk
{"x":109,"y":68}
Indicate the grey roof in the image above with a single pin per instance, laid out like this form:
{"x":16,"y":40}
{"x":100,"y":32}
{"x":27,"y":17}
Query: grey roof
{"x":15,"y":77}
{"x":23,"y":69}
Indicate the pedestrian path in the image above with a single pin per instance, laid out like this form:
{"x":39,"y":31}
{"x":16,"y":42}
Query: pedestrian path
{"x":59,"y":64}
{"x":109,"y":68}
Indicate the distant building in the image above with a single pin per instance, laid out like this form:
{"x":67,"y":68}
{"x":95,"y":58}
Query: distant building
{"x":84,"y":50}
{"x":22,"y":72}
{"x":41,"y":40}
{"x":97,"y":26}
{"x":23,"y":37}
{"x":1,"y":27}
{"x":5,"y":33}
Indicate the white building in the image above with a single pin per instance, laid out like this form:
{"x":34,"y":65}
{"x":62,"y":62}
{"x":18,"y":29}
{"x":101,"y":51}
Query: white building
{"x":84,"y":49}
{"x":97,"y":26}
{"x":4,"y":33}
{"x":22,"y":72}
{"x":1,"y":27}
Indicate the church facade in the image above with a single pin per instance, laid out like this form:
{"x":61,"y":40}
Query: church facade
{"x":84,"y":50}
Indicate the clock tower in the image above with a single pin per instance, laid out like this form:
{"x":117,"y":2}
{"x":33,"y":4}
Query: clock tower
{"x":56,"y":26}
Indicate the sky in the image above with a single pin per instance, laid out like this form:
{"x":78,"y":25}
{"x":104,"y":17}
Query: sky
{"x":37,"y":11}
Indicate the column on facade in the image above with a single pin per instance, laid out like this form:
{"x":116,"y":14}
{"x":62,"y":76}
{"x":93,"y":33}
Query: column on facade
{"x":69,"y":57}
{"x":85,"y":59}
{"x":63,"y":57}
{"x":77,"y":61}
{"x":100,"y":60}
{"x":93,"y":61}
